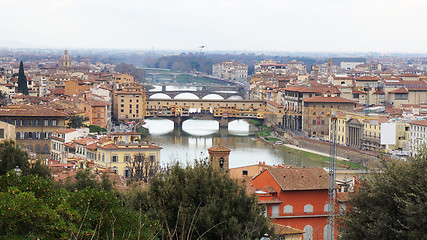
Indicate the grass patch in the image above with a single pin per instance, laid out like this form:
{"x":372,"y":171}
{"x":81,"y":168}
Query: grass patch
{"x":321,"y":158}
{"x":265,"y":131}
{"x":273,"y":139}
{"x":255,"y":122}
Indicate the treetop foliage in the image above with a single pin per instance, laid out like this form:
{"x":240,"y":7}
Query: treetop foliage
{"x":391,"y":204}
{"x":200,"y":203}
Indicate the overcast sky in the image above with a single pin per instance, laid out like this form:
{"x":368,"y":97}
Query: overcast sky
{"x":252,"y":25}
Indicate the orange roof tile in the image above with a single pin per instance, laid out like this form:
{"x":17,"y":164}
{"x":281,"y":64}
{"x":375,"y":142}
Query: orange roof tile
{"x":323,"y":99}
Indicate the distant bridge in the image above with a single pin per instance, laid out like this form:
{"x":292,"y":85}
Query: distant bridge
{"x":223,"y":91}
{"x":223,"y":111}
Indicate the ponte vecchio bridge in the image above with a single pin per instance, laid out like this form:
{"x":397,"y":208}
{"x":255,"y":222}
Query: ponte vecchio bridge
{"x":223,"y":111}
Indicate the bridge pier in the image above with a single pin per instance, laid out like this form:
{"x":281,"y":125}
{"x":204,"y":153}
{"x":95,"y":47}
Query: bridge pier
{"x":177,"y":122}
{"x":223,"y":122}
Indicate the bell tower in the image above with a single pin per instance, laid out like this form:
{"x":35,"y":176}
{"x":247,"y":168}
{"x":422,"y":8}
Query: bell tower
{"x":218,"y":158}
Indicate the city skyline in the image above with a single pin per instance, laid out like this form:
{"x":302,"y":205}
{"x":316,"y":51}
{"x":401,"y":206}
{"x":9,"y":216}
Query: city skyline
{"x":273,"y":25}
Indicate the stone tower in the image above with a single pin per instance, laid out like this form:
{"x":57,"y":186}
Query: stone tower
{"x":218,"y":158}
{"x":65,"y":61}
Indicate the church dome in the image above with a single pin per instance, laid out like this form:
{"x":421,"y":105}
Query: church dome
{"x":65,"y":60}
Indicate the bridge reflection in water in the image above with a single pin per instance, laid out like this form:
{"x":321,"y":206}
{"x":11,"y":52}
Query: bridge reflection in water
{"x":196,"y":136}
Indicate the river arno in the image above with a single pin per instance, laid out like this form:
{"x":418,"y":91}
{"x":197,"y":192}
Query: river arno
{"x":196,"y":136}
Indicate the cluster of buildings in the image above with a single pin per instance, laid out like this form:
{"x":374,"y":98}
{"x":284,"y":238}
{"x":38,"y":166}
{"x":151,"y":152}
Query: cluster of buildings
{"x":380,"y":103}
{"x":65,"y":95}
{"x":229,"y":70}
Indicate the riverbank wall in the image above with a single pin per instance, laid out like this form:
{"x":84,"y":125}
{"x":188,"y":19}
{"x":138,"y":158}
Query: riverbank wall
{"x":361,"y":157}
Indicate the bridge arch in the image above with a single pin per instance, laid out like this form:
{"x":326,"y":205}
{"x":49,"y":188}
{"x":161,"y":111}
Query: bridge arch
{"x":186,"y":95}
{"x":213,"y":96}
{"x":235,"y":97}
{"x":160,"y":96}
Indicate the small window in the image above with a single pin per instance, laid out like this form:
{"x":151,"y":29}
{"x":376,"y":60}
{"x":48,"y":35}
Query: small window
{"x":245,"y":172}
{"x":308,"y":208}
{"x":115,"y":158}
{"x":288,"y":209}
{"x":1,"y":133}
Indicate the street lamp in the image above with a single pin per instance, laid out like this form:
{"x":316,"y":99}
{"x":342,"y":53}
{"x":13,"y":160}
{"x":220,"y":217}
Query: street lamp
{"x":17,"y":171}
{"x":265,"y":237}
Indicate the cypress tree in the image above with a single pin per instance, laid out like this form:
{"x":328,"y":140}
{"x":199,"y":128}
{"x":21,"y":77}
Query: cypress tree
{"x":22,"y":80}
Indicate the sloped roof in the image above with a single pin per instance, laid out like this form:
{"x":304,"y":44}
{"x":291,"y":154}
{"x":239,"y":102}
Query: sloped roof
{"x":323,"y":99}
{"x":399,"y":90}
{"x":419,"y":122}
{"x":219,"y":148}
{"x":291,"y":179}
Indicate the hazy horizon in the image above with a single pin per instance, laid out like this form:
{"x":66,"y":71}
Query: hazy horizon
{"x":327,"y":26}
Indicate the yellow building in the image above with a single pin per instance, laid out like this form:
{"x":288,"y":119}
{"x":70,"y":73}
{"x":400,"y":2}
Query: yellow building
{"x":372,"y":135}
{"x":118,"y":155}
{"x":129,"y":102}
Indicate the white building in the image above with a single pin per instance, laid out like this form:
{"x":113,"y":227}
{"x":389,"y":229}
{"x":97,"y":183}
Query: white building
{"x":231,"y":71}
{"x":62,"y":137}
{"x":417,"y":135}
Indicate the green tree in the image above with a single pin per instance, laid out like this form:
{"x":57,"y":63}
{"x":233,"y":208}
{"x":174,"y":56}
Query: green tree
{"x":40,"y":169}
{"x":75,"y":121}
{"x":12,"y":156}
{"x":32,"y":208}
{"x":390,"y":204}
{"x":22,"y":80}
{"x":96,"y":128}
{"x":200,"y":203}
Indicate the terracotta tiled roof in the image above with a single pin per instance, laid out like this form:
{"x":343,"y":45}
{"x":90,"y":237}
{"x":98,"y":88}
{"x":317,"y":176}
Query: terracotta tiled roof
{"x":66,"y":130}
{"x":84,"y":141}
{"x":293,"y":178}
{"x":322,"y":99}
{"x":219,"y":148}
{"x":286,"y":230}
{"x":419,"y":122}
{"x":30,"y":111}
{"x":399,"y":90}
{"x":358,"y":92}
{"x":367,"y":78}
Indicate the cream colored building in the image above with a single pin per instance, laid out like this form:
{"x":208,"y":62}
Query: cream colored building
{"x":231,"y":71}
{"x":7,"y":131}
{"x":129,"y":102}
{"x":124,"y":79}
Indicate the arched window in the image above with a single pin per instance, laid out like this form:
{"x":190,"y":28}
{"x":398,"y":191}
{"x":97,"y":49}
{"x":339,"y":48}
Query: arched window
{"x":221,"y":163}
{"x":314,"y":122}
{"x":308,"y":208}
{"x":25,"y":135}
{"x":38,"y":148}
{"x":288,"y":209}
{"x":326,"y":231}
{"x":30,"y":135}
{"x":323,"y":122}
{"x":326,"y":207}
{"x":34,"y":135}
{"x":30,"y":147}
{"x":45,"y":148}
{"x":308,"y":232}
{"x":18,"y":135}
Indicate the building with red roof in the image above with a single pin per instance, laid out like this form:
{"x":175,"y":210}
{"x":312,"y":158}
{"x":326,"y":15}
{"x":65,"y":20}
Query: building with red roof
{"x":295,"y":197}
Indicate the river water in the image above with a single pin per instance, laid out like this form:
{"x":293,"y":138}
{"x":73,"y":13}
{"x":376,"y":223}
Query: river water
{"x":196,"y":136}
